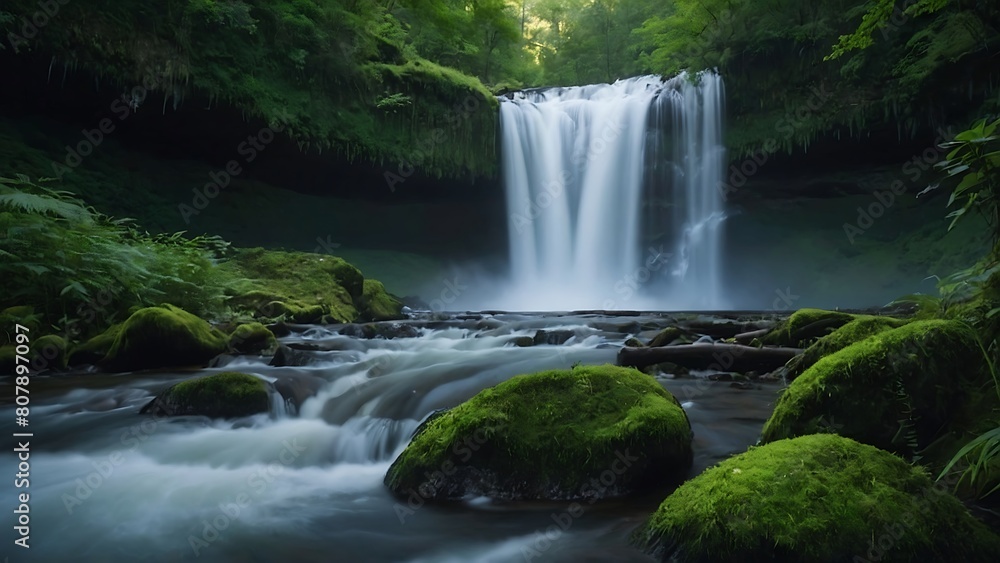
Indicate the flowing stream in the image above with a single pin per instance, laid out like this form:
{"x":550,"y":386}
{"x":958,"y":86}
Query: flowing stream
{"x":615,"y":194}
{"x":304,"y":483}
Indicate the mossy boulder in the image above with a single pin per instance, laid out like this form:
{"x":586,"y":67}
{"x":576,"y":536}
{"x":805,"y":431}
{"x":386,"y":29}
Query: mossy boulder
{"x":805,"y":325}
{"x":858,"y":329}
{"x":589,"y":432}
{"x":378,"y":305}
{"x":894,"y":390}
{"x":163,"y":336}
{"x":296,"y":312}
{"x":48,"y":352}
{"x":44,"y":353}
{"x":302,"y":286}
{"x":223,"y":395}
{"x":252,"y":338}
{"x":94,"y":350}
{"x":815,"y":498}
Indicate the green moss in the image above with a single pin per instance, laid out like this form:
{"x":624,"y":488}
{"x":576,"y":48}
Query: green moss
{"x":857,"y":330}
{"x":319,"y":73}
{"x":226,"y":395}
{"x":252,"y":338}
{"x":378,"y":305}
{"x":894,"y":390}
{"x":95,"y":349}
{"x":546,"y":435}
{"x":163,"y":336}
{"x":669,"y":335}
{"x":298,"y":282}
{"x":49,"y":352}
{"x":804,"y":325}
{"x":815,"y":498}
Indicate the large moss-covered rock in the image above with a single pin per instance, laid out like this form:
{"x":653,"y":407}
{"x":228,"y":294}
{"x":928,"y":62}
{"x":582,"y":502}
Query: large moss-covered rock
{"x":44,"y":353}
{"x":301,"y":286}
{"x":94,"y":350}
{"x":815,"y":498}
{"x":223,"y":395}
{"x":860,"y":328}
{"x":589,"y":432}
{"x":252,"y":338}
{"x":48,"y":352}
{"x":378,"y":305}
{"x":163,"y":336}
{"x":894,"y":390}
{"x":805,"y":325}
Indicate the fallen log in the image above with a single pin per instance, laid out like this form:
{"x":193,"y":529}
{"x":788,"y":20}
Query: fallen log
{"x":747,"y":337}
{"x":723,"y":357}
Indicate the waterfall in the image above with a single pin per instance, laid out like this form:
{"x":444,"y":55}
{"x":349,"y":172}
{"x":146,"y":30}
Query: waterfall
{"x":613,"y":194}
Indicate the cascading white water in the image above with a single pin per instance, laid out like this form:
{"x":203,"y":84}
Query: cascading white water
{"x":580,"y":163}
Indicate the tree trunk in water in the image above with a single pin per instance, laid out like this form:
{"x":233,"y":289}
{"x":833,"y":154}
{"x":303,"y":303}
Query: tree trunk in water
{"x":723,"y":357}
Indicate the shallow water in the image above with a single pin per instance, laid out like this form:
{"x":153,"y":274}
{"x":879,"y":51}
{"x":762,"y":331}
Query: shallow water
{"x":110,"y":485}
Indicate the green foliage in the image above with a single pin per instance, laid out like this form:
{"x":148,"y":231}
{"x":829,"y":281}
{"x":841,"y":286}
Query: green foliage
{"x":878,"y":18}
{"x":775,"y":60}
{"x":320,"y":70}
{"x":814,"y":498}
{"x":974,"y":161}
{"x":79,"y":268}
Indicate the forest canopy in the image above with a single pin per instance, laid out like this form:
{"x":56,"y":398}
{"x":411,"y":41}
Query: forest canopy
{"x":371,"y":79}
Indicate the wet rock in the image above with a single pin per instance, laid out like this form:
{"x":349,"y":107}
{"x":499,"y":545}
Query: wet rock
{"x":838,"y":500}
{"x":550,"y":435}
{"x":523,"y":341}
{"x":223,"y":395}
{"x":286,"y":356}
{"x":553,"y":337}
